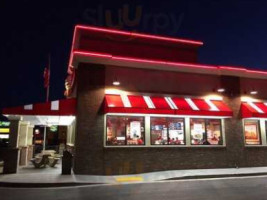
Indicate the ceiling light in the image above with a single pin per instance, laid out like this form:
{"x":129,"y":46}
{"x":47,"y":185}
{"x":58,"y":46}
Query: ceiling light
{"x":220,"y":90}
{"x":253,"y":92}
{"x":116,"y":83}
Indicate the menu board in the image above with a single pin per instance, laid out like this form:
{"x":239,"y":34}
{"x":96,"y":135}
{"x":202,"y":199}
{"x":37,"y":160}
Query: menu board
{"x":251,"y":133}
{"x":135,"y":129}
{"x":176,"y":131}
{"x":197,"y":131}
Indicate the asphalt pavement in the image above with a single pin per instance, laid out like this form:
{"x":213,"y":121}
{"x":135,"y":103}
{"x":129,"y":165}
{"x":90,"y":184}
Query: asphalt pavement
{"x":221,"y":188}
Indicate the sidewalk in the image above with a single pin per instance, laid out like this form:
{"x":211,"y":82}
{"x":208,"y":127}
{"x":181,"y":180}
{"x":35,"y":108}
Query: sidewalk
{"x":60,"y":180}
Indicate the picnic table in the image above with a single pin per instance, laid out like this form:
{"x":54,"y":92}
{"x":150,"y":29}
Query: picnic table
{"x":46,"y":157}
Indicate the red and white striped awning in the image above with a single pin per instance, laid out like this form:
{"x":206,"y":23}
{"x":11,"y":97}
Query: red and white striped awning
{"x":251,"y":109}
{"x":165,"y":105}
{"x":64,"y":107}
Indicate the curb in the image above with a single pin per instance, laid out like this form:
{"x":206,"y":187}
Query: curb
{"x":69,"y":184}
{"x":215,"y":176}
{"x":43,"y":185}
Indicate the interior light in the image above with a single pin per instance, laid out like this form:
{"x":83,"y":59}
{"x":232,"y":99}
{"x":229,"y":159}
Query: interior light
{"x":221,"y":90}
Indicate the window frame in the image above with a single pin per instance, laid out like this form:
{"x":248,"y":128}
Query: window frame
{"x":260,"y":133}
{"x":147,"y":136}
{"x":206,"y":133}
{"x":125,"y":143}
{"x":168,"y":121}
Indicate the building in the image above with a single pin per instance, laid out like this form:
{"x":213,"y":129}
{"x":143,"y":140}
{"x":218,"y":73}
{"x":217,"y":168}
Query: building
{"x":144,"y":103}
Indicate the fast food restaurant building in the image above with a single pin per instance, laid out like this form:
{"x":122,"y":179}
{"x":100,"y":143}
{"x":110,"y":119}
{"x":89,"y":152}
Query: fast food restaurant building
{"x":144,"y":103}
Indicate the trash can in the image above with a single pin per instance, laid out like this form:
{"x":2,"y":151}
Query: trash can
{"x":66,"y":162}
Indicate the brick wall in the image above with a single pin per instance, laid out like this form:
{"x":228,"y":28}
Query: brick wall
{"x":92,"y":158}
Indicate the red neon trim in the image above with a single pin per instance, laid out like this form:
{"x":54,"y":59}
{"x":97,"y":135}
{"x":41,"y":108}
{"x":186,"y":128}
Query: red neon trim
{"x":232,"y":68}
{"x":243,"y":69}
{"x":138,"y":60}
{"x":192,"y":65}
{"x":93,"y":54}
{"x":213,"y":67}
{"x":140,"y":35}
{"x":257,"y":72}
{"x":102,"y":55}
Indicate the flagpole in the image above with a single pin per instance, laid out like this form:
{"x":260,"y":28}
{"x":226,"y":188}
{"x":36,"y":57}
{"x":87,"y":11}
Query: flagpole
{"x":49,"y":71}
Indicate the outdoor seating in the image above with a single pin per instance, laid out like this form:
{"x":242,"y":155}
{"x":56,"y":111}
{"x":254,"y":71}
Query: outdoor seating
{"x":46,"y":158}
{"x":53,"y":161}
{"x":44,"y":161}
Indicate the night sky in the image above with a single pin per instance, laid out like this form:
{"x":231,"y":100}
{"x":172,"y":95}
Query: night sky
{"x":234,"y":33}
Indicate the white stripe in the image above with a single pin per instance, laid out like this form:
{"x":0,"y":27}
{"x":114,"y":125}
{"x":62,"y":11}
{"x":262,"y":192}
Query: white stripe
{"x":171,"y":103}
{"x":211,"y":105}
{"x":28,"y":107}
{"x":191,"y":103}
{"x":55,"y":105}
{"x":255,"y":107}
{"x":265,"y":104}
{"x":125,"y":101}
{"x":149,"y":102}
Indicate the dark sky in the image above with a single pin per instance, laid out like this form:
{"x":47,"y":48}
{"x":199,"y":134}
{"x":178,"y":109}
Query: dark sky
{"x":234,"y":33}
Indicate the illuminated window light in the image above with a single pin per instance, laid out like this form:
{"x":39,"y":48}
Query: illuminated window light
{"x":171,"y":103}
{"x":211,"y":105}
{"x":125,"y":101}
{"x":111,"y":105}
{"x":191,"y":103}
{"x":221,"y":90}
{"x":149,"y":102}
{"x":255,"y":107}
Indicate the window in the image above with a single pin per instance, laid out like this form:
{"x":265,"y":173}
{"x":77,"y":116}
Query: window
{"x":125,"y":130}
{"x":167,"y":131}
{"x":206,"y":132}
{"x":252,"y":132}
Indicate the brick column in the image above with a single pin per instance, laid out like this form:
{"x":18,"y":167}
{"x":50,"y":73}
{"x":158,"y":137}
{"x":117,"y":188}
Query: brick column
{"x":90,"y":120}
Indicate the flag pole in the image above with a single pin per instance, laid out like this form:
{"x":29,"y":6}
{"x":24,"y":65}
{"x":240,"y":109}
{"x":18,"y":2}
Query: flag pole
{"x":49,"y":71}
{"x":47,"y":98}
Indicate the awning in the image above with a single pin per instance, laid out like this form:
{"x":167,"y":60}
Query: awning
{"x":254,"y":110}
{"x":165,"y":105}
{"x":64,"y":107}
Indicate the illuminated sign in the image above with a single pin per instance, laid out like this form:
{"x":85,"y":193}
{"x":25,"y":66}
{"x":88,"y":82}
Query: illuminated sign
{"x":4,"y":126}
{"x":53,"y":128}
{"x":4,"y":130}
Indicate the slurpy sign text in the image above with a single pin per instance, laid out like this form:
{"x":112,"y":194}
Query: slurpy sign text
{"x":134,"y":19}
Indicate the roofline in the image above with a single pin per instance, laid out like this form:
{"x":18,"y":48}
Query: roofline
{"x":127,"y":33}
{"x":205,"y":69}
{"x":140,"y":35}
{"x":101,"y":58}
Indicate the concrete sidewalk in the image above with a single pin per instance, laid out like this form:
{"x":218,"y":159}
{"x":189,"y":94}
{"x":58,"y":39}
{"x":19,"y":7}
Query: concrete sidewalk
{"x":57,"y":179}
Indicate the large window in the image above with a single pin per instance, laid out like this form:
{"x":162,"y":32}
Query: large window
{"x":205,"y":131}
{"x":125,"y":130}
{"x":252,"y":132}
{"x":167,"y":131}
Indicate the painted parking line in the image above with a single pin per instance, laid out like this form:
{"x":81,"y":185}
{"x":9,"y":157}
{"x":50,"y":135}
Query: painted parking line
{"x":129,"y":179}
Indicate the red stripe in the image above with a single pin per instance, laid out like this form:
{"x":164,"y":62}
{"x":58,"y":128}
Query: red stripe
{"x":137,"y":101}
{"x":160,"y":103}
{"x":114,"y":101}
